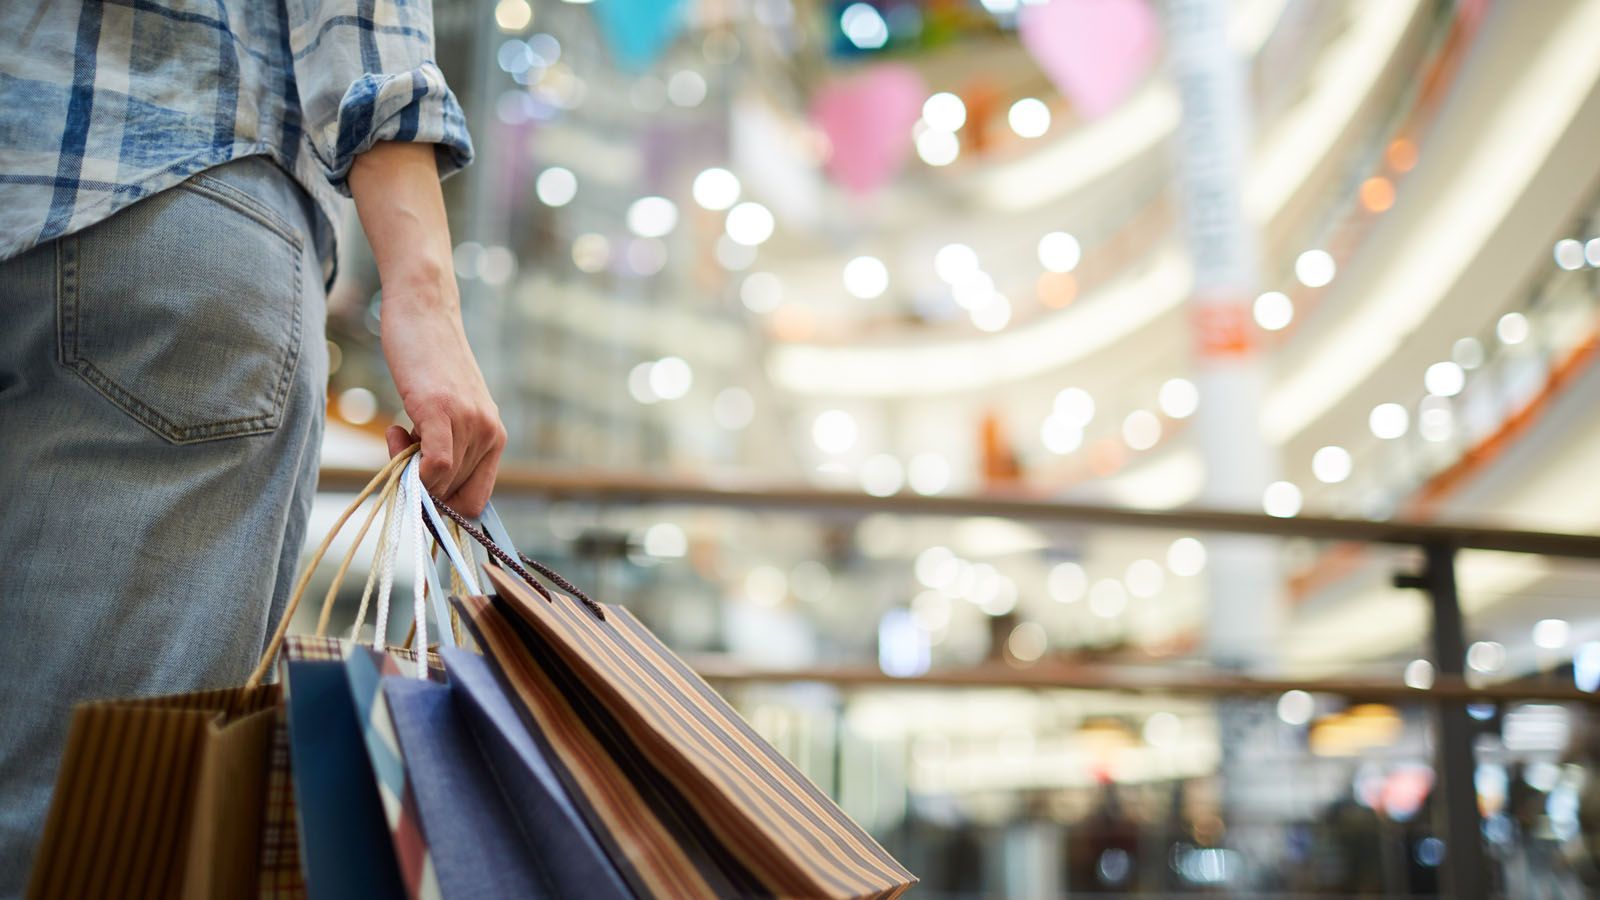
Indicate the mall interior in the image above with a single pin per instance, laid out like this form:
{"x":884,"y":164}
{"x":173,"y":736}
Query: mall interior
{"x":1111,"y":446}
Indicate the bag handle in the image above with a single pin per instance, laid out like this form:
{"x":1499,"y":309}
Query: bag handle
{"x":400,"y":482}
{"x":381,"y":574}
{"x":498,"y":544}
{"x":410,"y":499}
{"x":387,"y":478}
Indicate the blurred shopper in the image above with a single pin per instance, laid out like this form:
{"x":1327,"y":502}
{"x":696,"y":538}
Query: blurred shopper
{"x":170,"y":176}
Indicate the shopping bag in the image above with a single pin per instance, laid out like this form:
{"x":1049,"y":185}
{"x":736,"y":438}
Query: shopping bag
{"x":279,"y":877}
{"x":345,"y":847}
{"x":160,"y":798}
{"x":569,"y":856}
{"x":348,"y":774}
{"x":689,"y":800}
{"x":368,"y":670}
{"x":479,"y":847}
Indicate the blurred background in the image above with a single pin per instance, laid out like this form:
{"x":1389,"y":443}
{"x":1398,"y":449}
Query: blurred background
{"x":825,"y":331}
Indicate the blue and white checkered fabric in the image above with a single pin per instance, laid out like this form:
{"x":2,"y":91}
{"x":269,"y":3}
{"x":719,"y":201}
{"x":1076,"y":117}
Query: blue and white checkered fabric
{"x":103,"y":103}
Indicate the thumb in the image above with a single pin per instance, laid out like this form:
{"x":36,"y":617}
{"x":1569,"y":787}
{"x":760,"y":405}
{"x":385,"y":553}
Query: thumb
{"x":398,"y":439}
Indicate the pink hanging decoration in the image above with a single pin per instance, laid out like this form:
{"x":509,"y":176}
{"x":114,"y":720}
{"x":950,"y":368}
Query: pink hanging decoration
{"x":868,"y":119}
{"x":1095,"y":51}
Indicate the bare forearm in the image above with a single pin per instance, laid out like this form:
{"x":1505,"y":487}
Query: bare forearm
{"x":396,"y":189}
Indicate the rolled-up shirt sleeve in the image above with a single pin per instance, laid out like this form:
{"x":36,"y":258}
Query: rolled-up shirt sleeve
{"x":365,"y":73}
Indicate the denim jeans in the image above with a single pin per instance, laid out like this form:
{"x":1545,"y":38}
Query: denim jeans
{"x":162,"y":378}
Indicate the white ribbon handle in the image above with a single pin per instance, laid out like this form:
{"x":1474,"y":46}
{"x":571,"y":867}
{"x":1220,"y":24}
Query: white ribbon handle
{"x":412,"y":502}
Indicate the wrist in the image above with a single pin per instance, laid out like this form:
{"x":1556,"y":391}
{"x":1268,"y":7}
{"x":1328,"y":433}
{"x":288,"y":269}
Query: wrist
{"x":421,"y":282}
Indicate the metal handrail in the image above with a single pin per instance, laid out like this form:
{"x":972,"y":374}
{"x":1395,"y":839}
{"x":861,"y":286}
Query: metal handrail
{"x":1185,"y":681}
{"x":631,"y":488}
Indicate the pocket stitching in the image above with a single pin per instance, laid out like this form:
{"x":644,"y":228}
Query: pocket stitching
{"x":242,"y":202}
{"x":67,"y":290}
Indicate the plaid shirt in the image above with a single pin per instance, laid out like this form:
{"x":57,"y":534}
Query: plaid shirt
{"x":103,"y":103}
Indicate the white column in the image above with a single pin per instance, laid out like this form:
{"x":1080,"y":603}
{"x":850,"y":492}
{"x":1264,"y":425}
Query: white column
{"x":1212,"y":151}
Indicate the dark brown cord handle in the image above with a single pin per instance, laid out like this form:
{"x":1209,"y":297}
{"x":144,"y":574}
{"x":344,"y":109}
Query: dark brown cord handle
{"x":505,"y":559}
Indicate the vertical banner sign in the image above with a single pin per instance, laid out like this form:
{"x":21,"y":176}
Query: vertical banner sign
{"x":1242,"y":578}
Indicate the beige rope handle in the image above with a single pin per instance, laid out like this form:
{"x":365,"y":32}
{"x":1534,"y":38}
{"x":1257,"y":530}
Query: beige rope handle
{"x":384,"y":504}
{"x":273,"y":646}
{"x":389,"y":492}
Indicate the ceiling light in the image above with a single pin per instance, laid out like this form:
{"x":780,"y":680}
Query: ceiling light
{"x":866,"y":277}
{"x":1186,"y":557}
{"x":1067,"y":583}
{"x":1059,"y":435}
{"x":834,"y":431}
{"x":1569,"y":254}
{"x":1512,"y":328}
{"x":591,"y":252}
{"x":938,"y":148}
{"x":686,"y":88}
{"x":1331,"y":464}
{"x":944,"y":111}
{"x":1296,"y":707}
{"x":1419,"y":674}
{"x":556,"y":186}
{"x":1389,"y":421}
{"x":750,"y":223}
{"x":1468,"y":353}
{"x":733,"y":408}
{"x":1108,"y":598}
{"x":864,"y":26}
{"x":513,"y":15}
{"x":1074,"y":405}
{"x":1274,"y":310}
{"x":670,"y":378}
{"x":1551,"y":634}
{"x":1281,"y":499}
{"x":1059,"y":252}
{"x":955,"y":262}
{"x":1141,"y":430}
{"x":1029,"y":117}
{"x":761,"y":292}
{"x":993,"y":315}
{"x":665,"y":540}
{"x":652,"y":217}
{"x":1444,"y":379}
{"x":1179,"y":398}
{"x":716,"y":189}
{"x":1315,"y":268}
{"x":1486,"y":657}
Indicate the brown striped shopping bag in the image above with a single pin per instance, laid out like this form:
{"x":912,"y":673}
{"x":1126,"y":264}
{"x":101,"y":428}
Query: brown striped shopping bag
{"x":162,"y":798}
{"x":685,"y":797}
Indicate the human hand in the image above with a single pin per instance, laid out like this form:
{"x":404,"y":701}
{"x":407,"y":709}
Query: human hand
{"x":444,"y":393}
{"x":396,"y":189}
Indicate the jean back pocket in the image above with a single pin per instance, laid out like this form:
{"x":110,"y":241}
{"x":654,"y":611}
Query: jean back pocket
{"x":184,"y":310}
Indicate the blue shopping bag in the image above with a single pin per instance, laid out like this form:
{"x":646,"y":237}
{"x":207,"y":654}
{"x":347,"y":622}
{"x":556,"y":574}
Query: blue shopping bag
{"x":478,"y":847}
{"x":345,"y":845}
{"x":568,"y":858}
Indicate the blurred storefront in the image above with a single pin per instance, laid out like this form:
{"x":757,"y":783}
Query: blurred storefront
{"x":728,"y":261}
